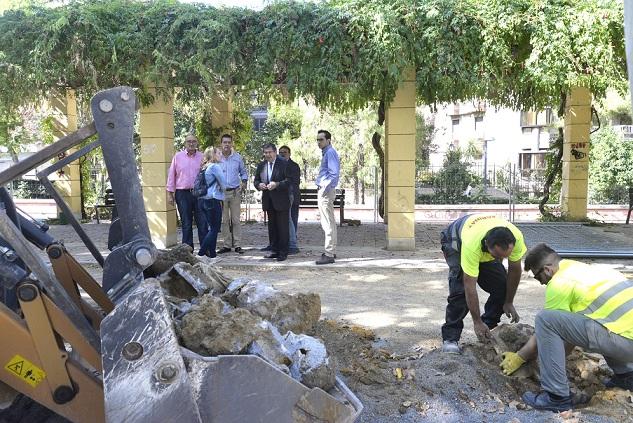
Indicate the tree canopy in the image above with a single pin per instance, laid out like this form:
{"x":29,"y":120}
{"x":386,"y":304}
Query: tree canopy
{"x":339,"y":54}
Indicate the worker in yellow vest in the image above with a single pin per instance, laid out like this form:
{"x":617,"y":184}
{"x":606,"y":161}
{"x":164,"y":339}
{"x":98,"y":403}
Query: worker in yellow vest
{"x":474,"y":248}
{"x":588,"y":306}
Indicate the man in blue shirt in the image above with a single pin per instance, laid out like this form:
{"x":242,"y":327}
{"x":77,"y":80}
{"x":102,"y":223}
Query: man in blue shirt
{"x":236,"y":177}
{"x":326,"y":181}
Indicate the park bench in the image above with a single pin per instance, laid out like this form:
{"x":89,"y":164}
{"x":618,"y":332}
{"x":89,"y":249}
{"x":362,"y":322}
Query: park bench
{"x":308,"y":199}
{"x":108,"y":203}
{"x":628,"y":216}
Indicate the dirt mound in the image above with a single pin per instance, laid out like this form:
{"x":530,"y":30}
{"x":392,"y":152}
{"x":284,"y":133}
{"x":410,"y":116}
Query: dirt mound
{"x":428,"y":385}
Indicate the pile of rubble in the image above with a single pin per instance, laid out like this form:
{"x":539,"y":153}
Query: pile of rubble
{"x":214,"y":316}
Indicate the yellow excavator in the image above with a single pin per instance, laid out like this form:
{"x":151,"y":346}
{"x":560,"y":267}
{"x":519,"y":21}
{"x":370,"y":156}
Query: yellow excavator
{"x":93,"y":352}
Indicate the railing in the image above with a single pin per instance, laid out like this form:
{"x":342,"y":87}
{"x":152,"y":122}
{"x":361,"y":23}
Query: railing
{"x":626,"y":130}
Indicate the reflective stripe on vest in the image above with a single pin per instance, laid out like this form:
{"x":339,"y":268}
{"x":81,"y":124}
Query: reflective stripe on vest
{"x":619,"y":311}
{"x":616,"y":312}
{"x":606,"y":296}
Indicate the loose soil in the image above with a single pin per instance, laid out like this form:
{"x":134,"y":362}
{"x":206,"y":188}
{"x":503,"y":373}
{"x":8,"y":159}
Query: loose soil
{"x":381,"y":327}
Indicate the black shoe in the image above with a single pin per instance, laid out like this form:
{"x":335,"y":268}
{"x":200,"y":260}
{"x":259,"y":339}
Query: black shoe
{"x":282,"y":258}
{"x":266,"y":248}
{"x":224,"y":250}
{"x":239,"y":250}
{"x":543,"y":401}
{"x":293,"y":251}
{"x":325,"y":259}
{"x":624,"y":381}
{"x":271,"y":255}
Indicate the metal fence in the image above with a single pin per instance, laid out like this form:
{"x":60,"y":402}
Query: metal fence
{"x":479,"y":184}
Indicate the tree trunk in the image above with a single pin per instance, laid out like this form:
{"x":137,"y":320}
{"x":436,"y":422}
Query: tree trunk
{"x":356,"y":183}
{"x":551,"y":176}
{"x":375,"y":142}
{"x":362,"y":191}
{"x":305,"y":170}
{"x":553,"y":171}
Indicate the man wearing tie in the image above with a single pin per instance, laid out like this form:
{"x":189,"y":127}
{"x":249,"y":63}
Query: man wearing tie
{"x":272,"y":180}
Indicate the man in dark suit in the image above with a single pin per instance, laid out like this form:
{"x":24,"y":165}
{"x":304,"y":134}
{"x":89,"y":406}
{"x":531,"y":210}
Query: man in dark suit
{"x":271,"y":178}
{"x":294,"y":174}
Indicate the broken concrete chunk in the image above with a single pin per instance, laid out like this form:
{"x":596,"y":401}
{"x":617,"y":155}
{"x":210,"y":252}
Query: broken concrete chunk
{"x":214,"y":328}
{"x":297,"y":313}
{"x":271,"y":347}
{"x":167,"y":258}
{"x":310,"y":361}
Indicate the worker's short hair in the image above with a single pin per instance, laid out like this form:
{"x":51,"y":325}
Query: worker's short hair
{"x":501,"y":236}
{"x":286,"y":147}
{"x":269,"y":145}
{"x":538,"y":256}
{"x":229,"y":136}
{"x":327,"y":134}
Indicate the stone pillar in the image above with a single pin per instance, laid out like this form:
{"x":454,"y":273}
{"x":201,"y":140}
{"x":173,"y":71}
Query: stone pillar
{"x":221,"y":113}
{"x":400,"y":166}
{"x":67,"y":181}
{"x":576,"y":153}
{"x":157,"y":150}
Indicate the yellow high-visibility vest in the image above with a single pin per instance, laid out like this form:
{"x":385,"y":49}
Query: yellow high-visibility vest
{"x":602,"y":294}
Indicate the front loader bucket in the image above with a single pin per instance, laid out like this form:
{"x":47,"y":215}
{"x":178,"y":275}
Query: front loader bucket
{"x":148,"y":377}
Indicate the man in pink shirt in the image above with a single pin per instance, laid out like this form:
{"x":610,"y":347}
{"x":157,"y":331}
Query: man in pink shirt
{"x":182,"y":174}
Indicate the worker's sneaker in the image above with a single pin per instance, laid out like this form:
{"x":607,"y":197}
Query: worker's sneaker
{"x":544,"y":401}
{"x":325,"y":259}
{"x":451,"y":347}
{"x":624,"y":381}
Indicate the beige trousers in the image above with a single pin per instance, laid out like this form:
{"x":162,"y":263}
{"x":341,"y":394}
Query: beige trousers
{"x":328,"y":222}
{"x":231,"y":214}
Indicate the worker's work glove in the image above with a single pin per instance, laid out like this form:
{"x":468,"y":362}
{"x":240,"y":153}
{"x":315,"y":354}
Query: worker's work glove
{"x":511,"y":362}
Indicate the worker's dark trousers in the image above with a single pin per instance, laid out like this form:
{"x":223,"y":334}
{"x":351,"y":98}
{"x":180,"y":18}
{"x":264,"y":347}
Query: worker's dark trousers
{"x":492,"y":279}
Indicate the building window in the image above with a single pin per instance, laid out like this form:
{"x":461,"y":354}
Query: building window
{"x":258,"y":123}
{"x":532,"y":118}
{"x":479,"y":122}
{"x":532,"y":160}
{"x":454,"y":125}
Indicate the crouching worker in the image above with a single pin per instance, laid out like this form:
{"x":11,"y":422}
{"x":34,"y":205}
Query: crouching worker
{"x":586,"y":306}
{"x":474,"y":248}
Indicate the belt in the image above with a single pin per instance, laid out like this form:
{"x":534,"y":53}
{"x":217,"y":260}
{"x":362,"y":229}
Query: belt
{"x":231,"y":189}
{"x":186,"y":190}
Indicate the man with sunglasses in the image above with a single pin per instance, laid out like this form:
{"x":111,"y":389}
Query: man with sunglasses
{"x":474,"y":248}
{"x":589,"y":306}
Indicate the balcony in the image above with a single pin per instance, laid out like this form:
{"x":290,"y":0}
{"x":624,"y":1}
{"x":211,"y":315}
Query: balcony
{"x":625,"y":130}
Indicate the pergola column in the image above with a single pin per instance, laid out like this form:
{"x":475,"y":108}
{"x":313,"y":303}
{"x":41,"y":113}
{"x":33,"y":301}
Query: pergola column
{"x":67,"y":181}
{"x":221,"y":112}
{"x":576,"y":153}
{"x":400,"y":166}
{"x":157,"y":150}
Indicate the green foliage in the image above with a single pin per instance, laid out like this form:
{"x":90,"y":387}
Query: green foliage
{"x":424,"y":135}
{"x":283,"y":124}
{"x":339,"y":54}
{"x":610,"y":167}
{"x":451,"y":181}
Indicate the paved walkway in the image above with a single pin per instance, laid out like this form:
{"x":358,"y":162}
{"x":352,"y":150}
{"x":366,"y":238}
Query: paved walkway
{"x":364,"y":245}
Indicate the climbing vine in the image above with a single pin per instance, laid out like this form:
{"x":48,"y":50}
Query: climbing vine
{"x":340,"y":54}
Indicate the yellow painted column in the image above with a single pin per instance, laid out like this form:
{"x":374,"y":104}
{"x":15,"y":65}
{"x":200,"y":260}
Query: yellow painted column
{"x":221,"y":113}
{"x":67,"y":181}
{"x":576,"y":153}
{"x":157,"y":150}
{"x":400,"y":166}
